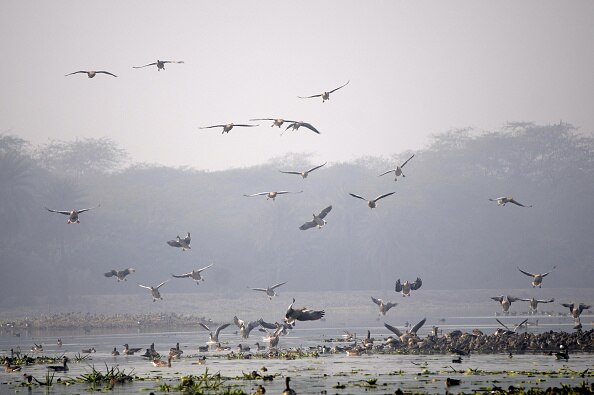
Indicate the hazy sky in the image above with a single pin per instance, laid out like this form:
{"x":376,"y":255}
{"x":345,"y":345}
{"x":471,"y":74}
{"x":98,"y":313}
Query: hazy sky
{"x":417,"y":68}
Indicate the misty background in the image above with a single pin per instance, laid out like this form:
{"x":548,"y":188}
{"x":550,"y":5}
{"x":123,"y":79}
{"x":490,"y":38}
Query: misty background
{"x":439,"y":225}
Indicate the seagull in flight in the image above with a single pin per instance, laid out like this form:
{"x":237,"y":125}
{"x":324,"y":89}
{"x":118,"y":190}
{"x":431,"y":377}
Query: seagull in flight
{"x":72,"y":214}
{"x":228,"y":126}
{"x":155,"y":290}
{"x":270,"y":195}
{"x":120,"y":274}
{"x":296,"y":125}
{"x":372,"y":203}
{"x":318,"y":220}
{"x":325,"y":95}
{"x":536,"y":277}
{"x":159,"y":63}
{"x":503,"y":200}
{"x":91,"y":73}
{"x":398,"y":170}
{"x":194,"y":274}
{"x":270,"y":290}
{"x":305,"y":173}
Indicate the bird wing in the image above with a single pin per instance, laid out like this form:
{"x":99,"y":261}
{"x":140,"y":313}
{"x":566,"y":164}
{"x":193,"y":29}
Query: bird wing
{"x":127,"y":271}
{"x":342,"y":86}
{"x":502,"y":324}
{"x":171,"y":61}
{"x":310,"y":315}
{"x":308,"y":225}
{"x":283,"y":192}
{"x":497,"y":298}
{"x":393,"y":329}
{"x":517,"y":203}
{"x":76,"y":72}
{"x":569,"y":305}
{"x":546,"y":301}
{"x":527,"y":273}
{"x":204,"y":326}
{"x":512,"y":298}
{"x":58,"y":211}
{"x":160,"y":285}
{"x":325,"y":212}
{"x":204,"y":268}
{"x":244,"y":125}
{"x":263,"y":119}
{"x":87,"y":209}
{"x":182,"y":275}
{"x":111,"y":274}
{"x":406,"y":161}
{"x":278,"y":285}
{"x":417,"y":284}
{"x":237,"y":322}
{"x":398,"y":286}
{"x":357,"y":196}
{"x":252,"y":324}
{"x":310,"y":127}
{"x":146,"y":65}
{"x":267,"y":325}
{"x":387,"y":172}
{"x":144,"y":286}
{"x":418,"y":326}
{"x":260,"y":289}
{"x":257,"y":194}
{"x":105,"y":72}
{"x":220,"y":328}
{"x":376,"y":301}
{"x":389,"y":305}
{"x":383,"y":196}
{"x":212,"y":126}
{"x":174,"y":243}
{"x":309,"y":97}
{"x":290,"y":172}
{"x":316,"y":167}
{"x":520,"y":324}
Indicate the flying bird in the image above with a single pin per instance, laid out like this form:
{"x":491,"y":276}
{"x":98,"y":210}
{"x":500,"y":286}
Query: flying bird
{"x":275,"y":121}
{"x":411,"y":333}
{"x":383,"y":307}
{"x":214,"y":337}
{"x":227,"y":127}
{"x":408,"y":286}
{"x":576,"y":311}
{"x":372,"y":203}
{"x":324,"y":95}
{"x":270,"y":195}
{"x":91,"y":73}
{"x":318,"y":220}
{"x":298,"y":124}
{"x":503,"y":200}
{"x":516,"y":326}
{"x":302,"y":314}
{"x":72,"y":214}
{"x":194,"y":274}
{"x":270,"y":290}
{"x":155,"y":290}
{"x":120,"y":274}
{"x":305,"y":173}
{"x":505,"y":301}
{"x":159,"y":63}
{"x":534,"y":303}
{"x":184,"y":243}
{"x":246,"y":327}
{"x":536,"y":277}
{"x":398,"y":170}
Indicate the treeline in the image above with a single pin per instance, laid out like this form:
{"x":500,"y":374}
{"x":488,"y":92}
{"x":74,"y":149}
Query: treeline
{"x":439,"y":225}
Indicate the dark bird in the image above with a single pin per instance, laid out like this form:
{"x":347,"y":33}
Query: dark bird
{"x":288,"y":390}
{"x":503,"y":200}
{"x":305,"y":173}
{"x":318,"y":220}
{"x":194,"y":274}
{"x":407,"y":286}
{"x":130,"y":351}
{"x":275,"y":121}
{"x":72,"y":214}
{"x":536,"y":277}
{"x":383,"y":307}
{"x":270,"y":195}
{"x":184,"y":243}
{"x":120,"y":274}
{"x":576,"y":311}
{"x":302,"y":314}
{"x":60,"y":368}
{"x":324,"y":95}
{"x":398,"y":170}
{"x":154,"y":290}
{"x":450,"y":382}
{"x":297,"y":124}
{"x":534,"y":303}
{"x":516,"y":326}
{"x":270,"y":291}
{"x":91,"y":73}
{"x":159,"y":63}
{"x":228,"y":126}
{"x":372,"y":203}
{"x":505,"y":301}
{"x":411,"y":333}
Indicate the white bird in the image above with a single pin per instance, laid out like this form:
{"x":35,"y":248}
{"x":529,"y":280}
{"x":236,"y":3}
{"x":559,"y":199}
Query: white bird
{"x":214,"y":337}
{"x":270,"y":195}
{"x":120,"y":274}
{"x":154,"y":290}
{"x":318,"y":220}
{"x":91,"y":73}
{"x":324,"y":95}
{"x":194,"y":274}
{"x":72,"y":214}
{"x":383,"y":307}
{"x":372,"y":203}
{"x":296,"y":125}
{"x":398,"y":170}
{"x":505,"y":301}
{"x":270,"y":291}
{"x":159,"y":63}
{"x":246,"y":327}
{"x":228,"y":126}
{"x":503,"y":200}
{"x":305,"y":173}
{"x":536,"y":277}
{"x":184,"y":243}
{"x":408,"y":286}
